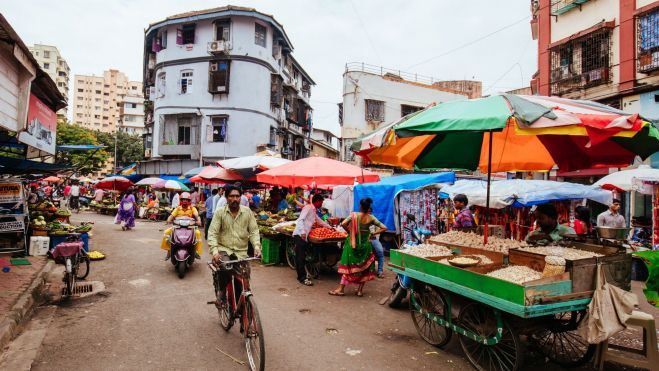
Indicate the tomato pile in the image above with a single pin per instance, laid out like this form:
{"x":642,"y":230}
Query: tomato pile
{"x":326,"y":233}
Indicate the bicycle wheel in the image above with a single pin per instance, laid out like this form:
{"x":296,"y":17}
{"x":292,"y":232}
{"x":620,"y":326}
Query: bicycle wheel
{"x":224,"y":312}
{"x":69,"y":277}
{"x":290,"y":253}
{"x":253,"y":332}
{"x":82,"y":268}
{"x":559,"y":340}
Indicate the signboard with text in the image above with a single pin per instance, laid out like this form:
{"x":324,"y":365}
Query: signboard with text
{"x":41,"y":126}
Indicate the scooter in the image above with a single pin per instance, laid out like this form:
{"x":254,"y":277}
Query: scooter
{"x":402,"y":284}
{"x":183,"y":242}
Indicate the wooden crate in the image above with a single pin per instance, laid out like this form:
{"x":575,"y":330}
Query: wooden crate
{"x":617,"y":266}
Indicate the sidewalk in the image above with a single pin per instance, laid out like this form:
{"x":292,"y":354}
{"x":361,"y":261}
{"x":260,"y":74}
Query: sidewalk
{"x":19,"y":289}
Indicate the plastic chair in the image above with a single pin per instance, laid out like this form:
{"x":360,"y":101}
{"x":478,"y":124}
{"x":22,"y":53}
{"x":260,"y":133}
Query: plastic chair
{"x":650,"y":353}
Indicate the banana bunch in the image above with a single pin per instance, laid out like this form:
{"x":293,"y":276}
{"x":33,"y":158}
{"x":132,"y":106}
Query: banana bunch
{"x":95,"y":255}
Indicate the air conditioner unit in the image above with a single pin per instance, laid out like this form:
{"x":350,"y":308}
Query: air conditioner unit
{"x":219,"y":46}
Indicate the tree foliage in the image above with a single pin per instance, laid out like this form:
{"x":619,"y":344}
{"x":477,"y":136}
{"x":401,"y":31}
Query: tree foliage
{"x":130,"y":147}
{"x":86,"y":161}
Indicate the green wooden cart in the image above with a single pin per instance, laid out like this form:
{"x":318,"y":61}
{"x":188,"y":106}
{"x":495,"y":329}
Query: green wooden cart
{"x":490,"y":314}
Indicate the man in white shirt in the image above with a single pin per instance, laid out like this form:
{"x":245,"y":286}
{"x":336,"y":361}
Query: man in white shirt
{"x":176,"y":200}
{"x":308,"y":217}
{"x":221,"y":200}
{"x":74,"y":196}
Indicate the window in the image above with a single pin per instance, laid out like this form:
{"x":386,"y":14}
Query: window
{"x":61,"y":73}
{"x":81,"y":90}
{"x":163,"y":39}
{"x":273,"y":136}
{"x":219,"y":124}
{"x":374,"y":110}
{"x":648,"y":42}
{"x":406,"y":109}
{"x":581,"y":63}
{"x":98,"y":92}
{"x":81,"y":98}
{"x":36,"y":53}
{"x":183,"y":134}
{"x":185,"y":35}
{"x":340,"y":114}
{"x":259,"y":34}
{"x":79,"y":106}
{"x":222,"y":30}
{"x":46,"y":54}
{"x":130,"y":105}
{"x":46,"y":66}
{"x":186,"y":82}
{"x":97,"y":116}
{"x":218,"y":77}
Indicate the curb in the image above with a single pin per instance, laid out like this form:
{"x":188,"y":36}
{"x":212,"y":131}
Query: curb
{"x":22,"y":310}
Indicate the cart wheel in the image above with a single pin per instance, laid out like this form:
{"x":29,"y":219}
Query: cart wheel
{"x":430,"y":301}
{"x":481,"y":320}
{"x":560,"y":342}
{"x":290,"y":253}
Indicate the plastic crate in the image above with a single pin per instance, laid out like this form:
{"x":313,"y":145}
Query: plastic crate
{"x":270,"y":251}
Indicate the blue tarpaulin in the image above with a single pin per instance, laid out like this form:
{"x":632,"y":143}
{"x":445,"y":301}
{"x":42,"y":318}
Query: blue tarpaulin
{"x":175,"y":177}
{"x":524,"y":193}
{"x":384,"y":192}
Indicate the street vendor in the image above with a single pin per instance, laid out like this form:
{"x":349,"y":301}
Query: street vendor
{"x":549,"y":230}
{"x":611,"y":218}
{"x":184,"y":210}
{"x":303,"y":226}
{"x":463,"y":218}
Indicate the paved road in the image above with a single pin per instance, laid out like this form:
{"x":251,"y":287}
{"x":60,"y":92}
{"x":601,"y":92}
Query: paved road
{"x":151,"y":319}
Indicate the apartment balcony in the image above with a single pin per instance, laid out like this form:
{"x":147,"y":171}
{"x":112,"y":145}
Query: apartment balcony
{"x":180,"y":150}
{"x":559,"y":7}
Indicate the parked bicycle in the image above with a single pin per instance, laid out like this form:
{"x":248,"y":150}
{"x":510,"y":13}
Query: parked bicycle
{"x":236,"y":301}
{"x":75,"y":260}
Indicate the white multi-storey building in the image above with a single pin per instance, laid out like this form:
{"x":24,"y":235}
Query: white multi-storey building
{"x":52,"y":62}
{"x":374,"y":95}
{"x":222,"y":83}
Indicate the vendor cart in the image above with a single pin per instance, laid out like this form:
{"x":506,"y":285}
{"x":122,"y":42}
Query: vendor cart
{"x":490,"y":314}
{"x":322,"y":255}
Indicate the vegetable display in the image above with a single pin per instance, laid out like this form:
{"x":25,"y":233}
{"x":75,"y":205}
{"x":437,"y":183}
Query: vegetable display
{"x":516,"y":274}
{"x":476,"y":241}
{"x":326,"y":234}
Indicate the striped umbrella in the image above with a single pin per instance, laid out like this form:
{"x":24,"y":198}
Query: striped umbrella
{"x":170,"y":185}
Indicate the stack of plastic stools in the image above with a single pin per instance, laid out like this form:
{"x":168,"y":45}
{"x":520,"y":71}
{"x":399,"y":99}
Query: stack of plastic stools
{"x":650,"y":353}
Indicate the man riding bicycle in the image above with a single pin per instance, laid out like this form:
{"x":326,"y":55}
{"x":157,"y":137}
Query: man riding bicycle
{"x":233,"y":226}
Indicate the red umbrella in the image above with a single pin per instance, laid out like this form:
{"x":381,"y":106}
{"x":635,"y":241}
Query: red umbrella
{"x":215,"y":175}
{"x":52,"y":179}
{"x":117,"y":183}
{"x":315,"y":171}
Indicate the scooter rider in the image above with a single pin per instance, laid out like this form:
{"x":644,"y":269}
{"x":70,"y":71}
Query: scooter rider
{"x":185,"y":209}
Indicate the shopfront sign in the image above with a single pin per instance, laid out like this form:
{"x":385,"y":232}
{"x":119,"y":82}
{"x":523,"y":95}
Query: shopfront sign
{"x":41,"y":126}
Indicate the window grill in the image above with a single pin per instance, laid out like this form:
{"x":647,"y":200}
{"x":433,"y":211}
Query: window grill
{"x":581,"y":63}
{"x":647,"y":33}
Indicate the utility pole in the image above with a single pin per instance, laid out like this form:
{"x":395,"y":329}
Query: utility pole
{"x":116,"y":134}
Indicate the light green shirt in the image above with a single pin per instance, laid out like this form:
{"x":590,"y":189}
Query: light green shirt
{"x":230,"y":234}
{"x":557,"y":234}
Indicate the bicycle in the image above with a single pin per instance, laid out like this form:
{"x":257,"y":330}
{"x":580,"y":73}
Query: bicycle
{"x":71,"y":254}
{"x":231,"y":308}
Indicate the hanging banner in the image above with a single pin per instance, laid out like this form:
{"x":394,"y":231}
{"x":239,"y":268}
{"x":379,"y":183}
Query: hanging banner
{"x":41,"y":126}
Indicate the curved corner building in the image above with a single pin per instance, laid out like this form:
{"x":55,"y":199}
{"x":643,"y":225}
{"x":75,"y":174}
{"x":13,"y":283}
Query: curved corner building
{"x":221,"y":83}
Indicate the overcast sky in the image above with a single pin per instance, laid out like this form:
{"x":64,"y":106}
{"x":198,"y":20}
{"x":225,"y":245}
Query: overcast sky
{"x":483,"y":40}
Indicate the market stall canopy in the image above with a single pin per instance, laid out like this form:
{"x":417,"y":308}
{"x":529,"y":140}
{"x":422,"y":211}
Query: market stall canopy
{"x":623,"y":180}
{"x":52,"y":179}
{"x":17,"y":166}
{"x":248,"y":166}
{"x":524,"y":193}
{"x":170,"y":185}
{"x":192,"y":172}
{"x":216,"y":175}
{"x":529,"y":133}
{"x":148,"y":181}
{"x":314,"y":171}
{"x":384,"y":192}
{"x":77,"y":147}
{"x":174,"y":177}
{"x":117,"y":183}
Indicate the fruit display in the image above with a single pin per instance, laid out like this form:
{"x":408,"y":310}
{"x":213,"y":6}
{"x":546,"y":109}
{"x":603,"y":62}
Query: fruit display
{"x":96,"y":255}
{"x":565,"y":252}
{"x":426,"y":250}
{"x":326,"y":234}
{"x":287,"y":227}
{"x":266,"y":231}
{"x":476,"y":241}
{"x":518,"y":274}
{"x":62,"y":213}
